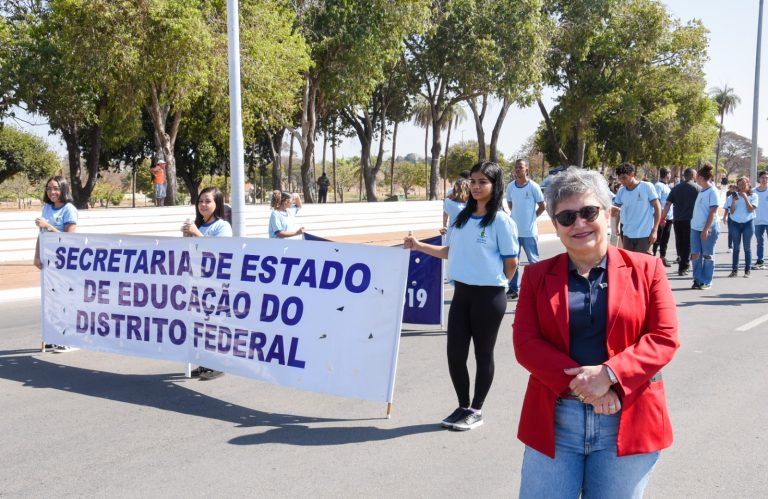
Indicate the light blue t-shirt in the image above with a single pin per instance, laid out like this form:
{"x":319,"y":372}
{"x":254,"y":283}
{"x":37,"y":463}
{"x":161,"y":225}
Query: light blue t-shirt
{"x":60,"y":217}
{"x":761,"y":213}
{"x":636,"y":209}
{"x":476,"y":255}
{"x":217,"y":228}
{"x":662,"y":190}
{"x":706,"y":200}
{"x":523,"y":202}
{"x":279,"y":222}
{"x":740,"y":214}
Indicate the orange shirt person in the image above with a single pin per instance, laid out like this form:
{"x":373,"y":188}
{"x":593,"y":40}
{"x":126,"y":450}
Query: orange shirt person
{"x":158,"y":174}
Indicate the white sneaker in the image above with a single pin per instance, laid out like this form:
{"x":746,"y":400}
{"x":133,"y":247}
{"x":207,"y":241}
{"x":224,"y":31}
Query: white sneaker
{"x":64,"y":349}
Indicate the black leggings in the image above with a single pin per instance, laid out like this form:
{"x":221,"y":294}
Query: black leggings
{"x":475,"y":314}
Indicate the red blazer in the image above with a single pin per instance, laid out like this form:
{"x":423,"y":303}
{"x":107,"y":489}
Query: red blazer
{"x":641,"y":336}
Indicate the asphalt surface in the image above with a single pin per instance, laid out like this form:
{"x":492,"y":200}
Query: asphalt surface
{"x":86,"y":424}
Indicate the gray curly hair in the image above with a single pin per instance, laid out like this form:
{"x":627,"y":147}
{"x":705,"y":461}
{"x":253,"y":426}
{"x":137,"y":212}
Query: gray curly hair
{"x":576,"y":181}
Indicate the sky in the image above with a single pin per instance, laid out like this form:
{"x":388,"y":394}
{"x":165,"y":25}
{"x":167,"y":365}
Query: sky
{"x":733,"y":37}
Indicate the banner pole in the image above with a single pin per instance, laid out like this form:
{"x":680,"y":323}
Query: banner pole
{"x":389,"y":410}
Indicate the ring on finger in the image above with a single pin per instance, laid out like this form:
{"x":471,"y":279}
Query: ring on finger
{"x":611,"y":406}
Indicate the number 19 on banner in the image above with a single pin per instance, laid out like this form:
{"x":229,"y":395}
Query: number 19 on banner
{"x":420,"y":296}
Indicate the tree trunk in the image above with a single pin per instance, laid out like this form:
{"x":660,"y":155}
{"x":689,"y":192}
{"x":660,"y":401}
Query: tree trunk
{"x":290,"y":165}
{"x":392,"y":162}
{"x":479,"y":117}
{"x":581,"y":144}
{"x":426,"y":155}
{"x":192,"y":186}
{"x":552,"y":135}
{"x":505,"y":105}
{"x":719,"y":142}
{"x":308,"y":128}
{"x":436,"y":150}
{"x":333,"y":161}
{"x":81,"y":193}
{"x":445,"y":161}
{"x":276,"y":144}
{"x":165,"y":139}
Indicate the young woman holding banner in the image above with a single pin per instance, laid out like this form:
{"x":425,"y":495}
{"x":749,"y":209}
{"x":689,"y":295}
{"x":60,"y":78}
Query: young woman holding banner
{"x":209,"y":222}
{"x":282,"y":222}
{"x":482,"y":257}
{"x":59,"y":215}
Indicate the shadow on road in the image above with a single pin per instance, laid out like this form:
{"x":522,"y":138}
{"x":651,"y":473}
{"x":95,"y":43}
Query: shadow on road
{"x":164,"y":392}
{"x":304,"y":435}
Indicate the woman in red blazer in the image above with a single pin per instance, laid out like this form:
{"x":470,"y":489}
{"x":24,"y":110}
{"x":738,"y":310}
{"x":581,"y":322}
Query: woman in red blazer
{"x":593,"y":326}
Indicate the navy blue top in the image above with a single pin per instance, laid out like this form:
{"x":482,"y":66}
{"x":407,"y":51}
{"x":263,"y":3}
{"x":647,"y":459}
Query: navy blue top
{"x":588,"y":314}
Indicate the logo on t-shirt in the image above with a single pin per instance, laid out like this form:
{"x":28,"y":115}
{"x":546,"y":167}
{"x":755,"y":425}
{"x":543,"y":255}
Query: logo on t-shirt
{"x":481,"y":238}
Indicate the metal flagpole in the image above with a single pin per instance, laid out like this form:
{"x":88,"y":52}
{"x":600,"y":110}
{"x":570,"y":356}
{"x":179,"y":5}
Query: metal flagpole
{"x":756,"y":102}
{"x":236,"y":150}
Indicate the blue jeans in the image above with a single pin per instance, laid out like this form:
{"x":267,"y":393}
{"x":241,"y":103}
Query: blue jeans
{"x":585,"y":460}
{"x":704,"y":264}
{"x":742,"y":232}
{"x":531,"y":247}
{"x":760,"y":230}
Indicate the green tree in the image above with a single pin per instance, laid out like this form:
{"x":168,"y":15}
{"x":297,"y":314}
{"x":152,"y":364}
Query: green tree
{"x":351,"y":43}
{"x":22,"y":152}
{"x":459,"y":58}
{"x":514,"y":60}
{"x":625,"y":71}
{"x":727,"y":101}
{"x":77,"y":86}
{"x":409,"y":175}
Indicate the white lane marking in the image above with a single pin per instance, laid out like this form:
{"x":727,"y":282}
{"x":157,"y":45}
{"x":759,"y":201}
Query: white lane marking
{"x":749,"y":325}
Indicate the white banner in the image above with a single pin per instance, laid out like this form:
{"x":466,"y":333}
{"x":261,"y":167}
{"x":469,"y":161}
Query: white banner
{"x":320,"y":316}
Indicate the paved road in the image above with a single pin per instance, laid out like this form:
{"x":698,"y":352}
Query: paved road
{"x":100,"y":425}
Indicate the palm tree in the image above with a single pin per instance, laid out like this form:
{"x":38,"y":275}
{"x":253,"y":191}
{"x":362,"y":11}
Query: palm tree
{"x":456,"y":115}
{"x":726,"y":103}
{"x":422,"y":117}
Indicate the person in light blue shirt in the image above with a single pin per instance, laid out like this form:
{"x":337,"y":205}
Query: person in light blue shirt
{"x":665,"y":226}
{"x":526,"y":203}
{"x":59,"y":215}
{"x":282,"y":221}
{"x":741,"y":207}
{"x":209,"y":216}
{"x":639,"y":209}
{"x":209,"y":222}
{"x":482,"y":256}
{"x":761,"y":218}
{"x":705,"y":228}
{"x":454,"y":203}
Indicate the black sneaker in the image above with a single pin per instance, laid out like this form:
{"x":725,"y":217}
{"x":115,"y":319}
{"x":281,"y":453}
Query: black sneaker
{"x":210,"y":374}
{"x":512,"y":295}
{"x":665,"y":262}
{"x":455,"y":416}
{"x":469,"y":421}
{"x":758,"y":266}
{"x":696,"y":285}
{"x":734,"y":273}
{"x":746,"y":274}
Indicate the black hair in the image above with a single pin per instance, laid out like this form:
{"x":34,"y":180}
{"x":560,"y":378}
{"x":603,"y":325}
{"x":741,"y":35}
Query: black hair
{"x":706,"y":171}
{"x":493,"y":172}
{"x":663,"y":172}
{"x":465,"y":174}
{"x":218,"y":198}
{"x":625,"y":169}
{"x":64,"y":195}
{"x":688,"y":173}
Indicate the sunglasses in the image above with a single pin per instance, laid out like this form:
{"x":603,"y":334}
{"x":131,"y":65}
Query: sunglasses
{"x":566,"y":218}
